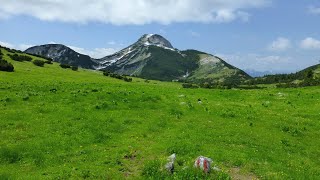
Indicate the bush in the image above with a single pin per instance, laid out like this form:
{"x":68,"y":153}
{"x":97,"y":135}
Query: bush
{"x":5,"y":66}
{"x":48,"y":62}
{"x":74,"y":68}
{"x":106,"y":73}
{"x":65,"y":66}
{"x":117,"y":76}
{"x":189,"y":85}
{"x":40,"y":56}
{"x":38,"y":62}
{"x":20,"y":58}
{"x":127,"y":79}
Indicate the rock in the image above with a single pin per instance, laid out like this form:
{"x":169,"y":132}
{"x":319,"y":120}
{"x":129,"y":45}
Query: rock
{"x":170,"y":165}
{"x":203,"y":163}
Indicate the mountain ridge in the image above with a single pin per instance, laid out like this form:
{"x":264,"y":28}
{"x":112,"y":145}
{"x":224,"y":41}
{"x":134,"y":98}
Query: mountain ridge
{"x":151,"y":57}
{"x":62,"y":54}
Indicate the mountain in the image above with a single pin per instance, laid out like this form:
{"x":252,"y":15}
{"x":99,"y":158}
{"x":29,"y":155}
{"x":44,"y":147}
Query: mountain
{"x":306,"y":77}
{"x":254,"y":73}
{"x":62,"y":54}
{"x":151,"y":57}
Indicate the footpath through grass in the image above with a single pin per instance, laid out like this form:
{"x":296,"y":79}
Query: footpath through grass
{"x":59,"y":123}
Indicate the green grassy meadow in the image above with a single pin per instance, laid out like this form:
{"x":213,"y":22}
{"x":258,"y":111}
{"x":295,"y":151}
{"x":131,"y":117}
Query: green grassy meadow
{"x":58,"y":123}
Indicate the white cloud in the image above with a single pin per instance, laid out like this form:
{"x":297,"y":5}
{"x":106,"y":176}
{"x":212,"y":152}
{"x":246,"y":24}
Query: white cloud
{"x":280,"y":44}
{"x":21,"y":47}
{"x":6,"y":44}
{"x":310,"y":43}
{"x":138,"y":12}
{"x":314,"y":10}
{"x":96,"y":52}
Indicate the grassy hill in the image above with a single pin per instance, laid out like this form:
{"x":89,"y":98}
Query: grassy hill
{"x":58,"y":123}
{"x":306,"y":77}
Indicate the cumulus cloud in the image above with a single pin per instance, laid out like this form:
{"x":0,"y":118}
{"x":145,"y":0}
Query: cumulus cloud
{"x":280,"y":44}
{"x":314,"y":10}
{"x":137,"y":12}
{"x":310,"y":43}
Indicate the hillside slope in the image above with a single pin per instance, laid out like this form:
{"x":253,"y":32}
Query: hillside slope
{"x":306,"y":77}
{"x":62,"y":124}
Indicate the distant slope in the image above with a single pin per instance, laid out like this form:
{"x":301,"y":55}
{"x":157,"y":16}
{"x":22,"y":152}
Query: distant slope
{"x":213,"y":68}
{"x":62,"y":54}
{"x":308,"y":76}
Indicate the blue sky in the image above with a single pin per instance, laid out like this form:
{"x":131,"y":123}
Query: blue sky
{"x":264,"y":35}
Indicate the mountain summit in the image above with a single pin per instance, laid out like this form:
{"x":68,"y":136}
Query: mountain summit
{"x":156,"y":40}
{"x":151,"y":57}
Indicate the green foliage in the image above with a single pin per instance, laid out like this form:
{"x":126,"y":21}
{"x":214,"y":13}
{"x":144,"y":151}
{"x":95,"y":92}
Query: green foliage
{"x":65,"y":66}
{"x":74,"y":68}
{"x":9,"y":155}
{"x":5,"y":66}
{"x":48,"y":61}
{"x":305,"y":78}
{"x":38,"y":62}
{"x":117,"y":76}
{"x":189,"y":85}
{"x":21,"y":58}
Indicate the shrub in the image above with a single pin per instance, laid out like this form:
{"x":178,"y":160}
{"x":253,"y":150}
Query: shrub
{"x":48,"y":62}
{"x":117,"y":76}
{"x":65,"y":66}
{"x":106,"y":73}
{"x":189,"y":85}
{"x":20,"y":58}
{"x":127,"y":79}
{"x":38,"y":62}
{"x":74,"y":68}
{"x":5,"y":66}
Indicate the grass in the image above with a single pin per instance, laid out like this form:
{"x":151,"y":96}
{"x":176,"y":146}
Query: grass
{"x":59,"y":123}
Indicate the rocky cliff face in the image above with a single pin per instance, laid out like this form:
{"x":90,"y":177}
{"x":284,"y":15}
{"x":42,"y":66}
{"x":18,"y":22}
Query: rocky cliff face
{"x":63,"y":54}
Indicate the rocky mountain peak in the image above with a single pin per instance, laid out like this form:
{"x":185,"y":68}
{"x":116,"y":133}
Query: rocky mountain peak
{"x":156,"y":40}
